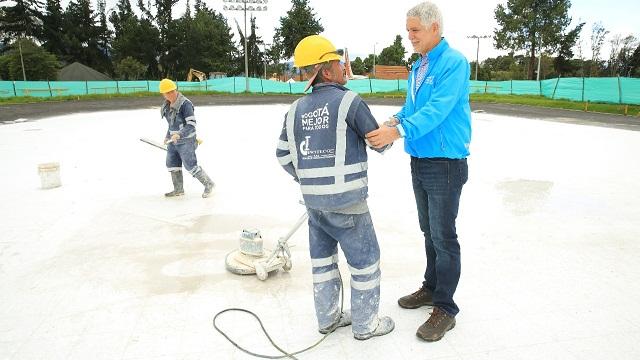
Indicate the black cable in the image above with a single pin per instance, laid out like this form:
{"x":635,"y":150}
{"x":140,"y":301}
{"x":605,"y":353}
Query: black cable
{"x":286,"y":354}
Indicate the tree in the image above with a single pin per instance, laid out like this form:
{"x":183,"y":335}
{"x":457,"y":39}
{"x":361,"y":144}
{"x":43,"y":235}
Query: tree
{"x":53,"y":29}
{"x":562,"y":63}
{"x":130,"y":69}
{"x":38,"y":63}
{"x":299,"y":23}
{"x":135,"y":37}
{"x":23,"y":19}
{"x":531,"y":25}
{"x":598,"y":33}
{"x":357,"y":66}
{"x":635,"y":63}
{"x":83,"y":36}
{"x":394,"y":54}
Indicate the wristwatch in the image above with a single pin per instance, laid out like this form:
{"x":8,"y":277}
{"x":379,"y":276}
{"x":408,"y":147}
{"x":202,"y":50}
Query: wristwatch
{"x":400,"y":130}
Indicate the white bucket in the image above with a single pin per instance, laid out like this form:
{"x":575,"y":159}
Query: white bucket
{"x":49,"y":175}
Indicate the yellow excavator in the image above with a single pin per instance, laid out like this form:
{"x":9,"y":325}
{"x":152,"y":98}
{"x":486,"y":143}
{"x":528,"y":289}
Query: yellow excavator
{"x":199,"y":75}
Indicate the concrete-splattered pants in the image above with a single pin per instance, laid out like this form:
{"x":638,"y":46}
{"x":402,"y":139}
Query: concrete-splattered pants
{"x":183,"y":153}
{"x":357,"y":239}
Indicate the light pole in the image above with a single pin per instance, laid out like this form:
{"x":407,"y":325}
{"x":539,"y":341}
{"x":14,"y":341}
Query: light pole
{"x":242,"y":6}
{"x":264,"y":61}
{"x":374,"y":60}
{"x":478,"y":37}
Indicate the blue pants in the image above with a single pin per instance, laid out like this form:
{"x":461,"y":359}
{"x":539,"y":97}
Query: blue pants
{"x":184,"y":152}
{"x":437,"y":185}
{"x":357,"y":238}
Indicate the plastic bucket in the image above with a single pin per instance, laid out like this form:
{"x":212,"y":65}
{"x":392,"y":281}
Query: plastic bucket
{"x":49,"y":175}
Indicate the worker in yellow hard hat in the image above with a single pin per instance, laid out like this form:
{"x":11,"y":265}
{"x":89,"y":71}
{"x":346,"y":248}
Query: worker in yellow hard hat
{"x":322,"y":146}
{"x":181,"y":139}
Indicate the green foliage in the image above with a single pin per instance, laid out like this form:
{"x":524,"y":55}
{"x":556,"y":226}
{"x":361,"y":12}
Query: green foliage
{"x":38,"y":63}
{"x":299,"y":23}
{"x":130,"y":69}
{"x":392,"y":55}
{"x":357,"y":66}
{"x":23,"y":19}
{"x":531,"y":25}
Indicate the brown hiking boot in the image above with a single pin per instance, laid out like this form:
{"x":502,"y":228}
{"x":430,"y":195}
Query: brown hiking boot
{"x":436,"y":326}
{"x":419,"y":298}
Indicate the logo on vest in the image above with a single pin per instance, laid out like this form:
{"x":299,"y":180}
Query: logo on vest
{"x":308,"y":154}
{"x":304,"y":146}
{"x":317,"y":119}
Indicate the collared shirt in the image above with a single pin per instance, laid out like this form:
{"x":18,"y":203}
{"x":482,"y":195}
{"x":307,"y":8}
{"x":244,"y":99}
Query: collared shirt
{"x":422,"y":72}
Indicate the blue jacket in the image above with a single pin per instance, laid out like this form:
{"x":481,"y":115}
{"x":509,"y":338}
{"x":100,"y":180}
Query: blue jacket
{"x":322,"y":145}
{"x":180,"y":118}
{"x":437,"y":119}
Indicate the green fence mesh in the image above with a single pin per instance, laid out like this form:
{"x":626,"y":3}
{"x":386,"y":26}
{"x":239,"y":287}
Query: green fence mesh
{"x":618,"y":90}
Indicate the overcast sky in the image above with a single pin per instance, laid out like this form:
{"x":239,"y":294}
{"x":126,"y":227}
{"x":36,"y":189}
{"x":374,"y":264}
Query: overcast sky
{"x":359,"y":25}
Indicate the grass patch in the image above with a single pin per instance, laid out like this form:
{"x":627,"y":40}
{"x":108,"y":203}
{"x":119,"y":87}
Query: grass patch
{"x":529,"y":100}
{"x":541,"y":101}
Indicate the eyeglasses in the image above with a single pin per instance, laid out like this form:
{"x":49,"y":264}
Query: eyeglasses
{"x":339,"y":52}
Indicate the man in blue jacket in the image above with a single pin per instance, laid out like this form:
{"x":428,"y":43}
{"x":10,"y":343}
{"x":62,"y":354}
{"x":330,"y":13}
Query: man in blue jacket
{"x":322,"y":146}
{"x":435,"y":123}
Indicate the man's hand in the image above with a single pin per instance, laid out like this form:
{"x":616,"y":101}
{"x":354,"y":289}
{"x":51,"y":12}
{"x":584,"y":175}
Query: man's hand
{"x":175,"y":138}
{"x":383,"y":136}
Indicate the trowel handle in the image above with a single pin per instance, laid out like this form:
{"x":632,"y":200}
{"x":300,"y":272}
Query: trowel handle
{"x":300,"y":221}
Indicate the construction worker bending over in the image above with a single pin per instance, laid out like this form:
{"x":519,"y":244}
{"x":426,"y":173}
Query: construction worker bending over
{"x":322,"y":146}
{"x":181,"y":139}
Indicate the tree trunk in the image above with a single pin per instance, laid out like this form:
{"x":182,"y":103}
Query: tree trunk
{"x":532,"y":61}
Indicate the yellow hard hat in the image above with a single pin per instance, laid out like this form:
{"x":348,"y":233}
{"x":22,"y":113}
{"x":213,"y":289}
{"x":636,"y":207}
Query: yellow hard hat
{"x":167,"y":85}
{"x":315,"y":49}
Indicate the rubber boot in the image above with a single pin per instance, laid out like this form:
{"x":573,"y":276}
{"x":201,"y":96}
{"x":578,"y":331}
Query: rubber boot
{"x":206,"y":181}
{"x":178,"y":189}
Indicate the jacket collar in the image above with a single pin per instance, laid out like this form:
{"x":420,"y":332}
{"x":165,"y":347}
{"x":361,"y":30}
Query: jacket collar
{"x":434,"y":54}
{"x":322,"y":86}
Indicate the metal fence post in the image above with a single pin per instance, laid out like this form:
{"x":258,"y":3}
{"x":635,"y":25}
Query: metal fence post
{"x":148,"y":88}
{"x":583,"y":89}
{"x":117,"y":88}
{"x":370,"y":87}
{"x":86,"y":86}
{"x":234,"y":84}
{"x":619,"y":91}
{"x":555,"y":88}
{"x":398,"y":84}
{"x":261,"y":86}
{"x":49,"y":86}
{"x":14,"y":89}
{"x":511,"y":89}
{"x":290,"y":92}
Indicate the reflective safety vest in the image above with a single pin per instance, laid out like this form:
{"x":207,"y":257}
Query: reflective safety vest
{"x":322,"y":145}
{"x":180,"y":117}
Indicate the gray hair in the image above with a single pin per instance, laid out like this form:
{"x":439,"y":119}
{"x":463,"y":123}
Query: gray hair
{"x":428,"y":13}
{"x":311,"y":68}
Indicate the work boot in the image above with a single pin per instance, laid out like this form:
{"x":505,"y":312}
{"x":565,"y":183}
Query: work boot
{"x":176,"y":178}
{"x":345,"y":320}
{"x":419,"y":298}
{"x":385,"y":326}
{"x":436,"y":326}
{"x":206,"y":181}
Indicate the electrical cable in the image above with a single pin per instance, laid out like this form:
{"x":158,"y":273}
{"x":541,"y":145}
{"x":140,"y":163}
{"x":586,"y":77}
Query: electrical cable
{"x":266,"y":333}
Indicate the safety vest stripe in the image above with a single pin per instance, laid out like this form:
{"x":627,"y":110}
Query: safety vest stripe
{"x":333,"y":259}
{"x":283,"y":145}
{"x":193,"y":123}
{"x":326,"y":276}
{"x":291,"y":115}
{"x":365,"y":285}
{"x":189,"y":118}
{"x":366,"y":271}
{"x":334,"y":188}
{"x":341,"y":132}
{"x":284,"y":160}
{"x":333,"y":171}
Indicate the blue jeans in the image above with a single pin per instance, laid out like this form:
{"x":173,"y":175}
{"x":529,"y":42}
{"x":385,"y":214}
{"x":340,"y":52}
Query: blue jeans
{"x":357,"y":239}
{"x":183,"y":153}
{"x":437,"y":185}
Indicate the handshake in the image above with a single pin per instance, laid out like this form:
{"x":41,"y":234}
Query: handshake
{"x":385,"y":134}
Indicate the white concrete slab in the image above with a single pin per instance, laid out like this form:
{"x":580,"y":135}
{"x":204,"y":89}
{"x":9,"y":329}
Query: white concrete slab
{"x":104,"y":267}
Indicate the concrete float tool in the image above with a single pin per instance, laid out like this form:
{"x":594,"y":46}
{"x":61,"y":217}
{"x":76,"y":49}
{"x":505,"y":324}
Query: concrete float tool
{"x":251,"y":257}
